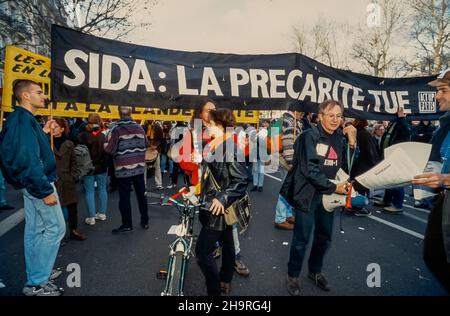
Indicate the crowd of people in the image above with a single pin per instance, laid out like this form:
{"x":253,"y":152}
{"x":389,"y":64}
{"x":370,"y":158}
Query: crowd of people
{"x":49,"y":160}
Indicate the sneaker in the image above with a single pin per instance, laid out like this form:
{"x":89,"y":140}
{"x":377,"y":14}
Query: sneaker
{"x":90,"y":221}
{"x":419,"y":204}
{"x":241,"y":268}
{"x":260,"y":189}
{"x":319,"y":281}
{"x":55,"y":274}
{"x":48,"y":289}
{"x":171,"y":186}
{"x":393,"y":210}
{"x":255,"y":188}
{"x":362,"y":212}
{"x":284,"y":225}
{"x":381,"y":203}
{"x":100,"y":216}
{"x":159,"y":187}
{"x":144,"y":225}
{"x":122,"y":229}
{"x":293,"y":286}
{"x":76,"y":235}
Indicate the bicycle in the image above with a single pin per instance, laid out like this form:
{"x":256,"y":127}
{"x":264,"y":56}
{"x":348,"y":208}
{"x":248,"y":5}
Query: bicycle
{"x":181,"y":247}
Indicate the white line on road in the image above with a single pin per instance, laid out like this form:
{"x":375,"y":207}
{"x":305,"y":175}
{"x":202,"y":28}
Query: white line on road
{"x":7,"y":224}
{"x":416,"y":209}
{"x":415,"y":217}
{"x":403,"y":229}
{"x":278,"y":179}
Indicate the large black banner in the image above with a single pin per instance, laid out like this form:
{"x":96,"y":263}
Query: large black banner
{"x":90,"y":69}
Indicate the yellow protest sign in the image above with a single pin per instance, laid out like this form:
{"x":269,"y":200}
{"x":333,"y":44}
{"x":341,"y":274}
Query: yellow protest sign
{"x":22,"y":64}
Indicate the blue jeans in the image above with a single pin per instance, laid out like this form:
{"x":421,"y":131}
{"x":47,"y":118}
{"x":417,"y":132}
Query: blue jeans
{"x":164,"y":161}
{"x":283,"y":209}
{"x":258,"y":174}
{"x":394,"y":196}
{"x":322,"y":221}
{"x":44,"y":229}
{"x":2,"y":190}
{"x":89,"y":192}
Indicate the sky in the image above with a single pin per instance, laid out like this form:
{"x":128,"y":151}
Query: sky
{"x":238,"y":26}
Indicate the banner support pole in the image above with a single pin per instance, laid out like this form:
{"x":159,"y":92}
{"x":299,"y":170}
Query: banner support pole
{"x":1,"y":118}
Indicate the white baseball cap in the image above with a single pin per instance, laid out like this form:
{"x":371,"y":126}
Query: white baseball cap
{"x":443,"y":78}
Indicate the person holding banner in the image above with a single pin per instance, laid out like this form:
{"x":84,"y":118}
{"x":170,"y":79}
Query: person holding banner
{"x":436,"y":243}
{"x":397,"y":132}
{"x":28,"y":164}
{"x":319,"y":153}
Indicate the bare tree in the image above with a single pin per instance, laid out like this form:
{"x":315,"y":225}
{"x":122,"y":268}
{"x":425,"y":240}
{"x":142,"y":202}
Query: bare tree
{"x":110,"y":18}
{"x":325,"y":41}
{"x":374,"y":45}
{"x":431,"y":30}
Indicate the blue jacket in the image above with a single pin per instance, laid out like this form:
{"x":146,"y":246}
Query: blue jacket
{"x":26,"y":158}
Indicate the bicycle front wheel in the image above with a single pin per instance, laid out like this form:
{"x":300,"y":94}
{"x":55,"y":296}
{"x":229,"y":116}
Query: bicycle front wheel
{"x":179,"y":267}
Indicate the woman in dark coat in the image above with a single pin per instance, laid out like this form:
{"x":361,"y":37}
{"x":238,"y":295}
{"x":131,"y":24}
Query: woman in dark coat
{"x":231,"y":177}
{"x":65,"y":169}
{"x":367,"y":158}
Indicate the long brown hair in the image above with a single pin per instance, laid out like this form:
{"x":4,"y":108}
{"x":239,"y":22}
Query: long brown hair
{"x":94,"y":123}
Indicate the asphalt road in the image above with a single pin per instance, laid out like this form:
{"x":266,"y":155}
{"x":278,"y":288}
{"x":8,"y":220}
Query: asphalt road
{"x":128,"y":264}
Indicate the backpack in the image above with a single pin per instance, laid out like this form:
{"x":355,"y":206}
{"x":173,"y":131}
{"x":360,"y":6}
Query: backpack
{"x":83,"y":161}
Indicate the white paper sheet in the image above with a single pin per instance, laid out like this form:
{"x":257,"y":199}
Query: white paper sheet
{"x":422,"y":192}
{"x":399,"y":167}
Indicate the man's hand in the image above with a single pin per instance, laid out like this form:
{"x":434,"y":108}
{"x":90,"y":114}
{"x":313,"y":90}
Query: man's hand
{"x":50,"y":200}
{"x":401,"y":112}
{"x":217,"y":208}
{"x":432,"y":180}
{"x":50,"y":125}
{"x":342,"y":188}
{"x":350,"y":132}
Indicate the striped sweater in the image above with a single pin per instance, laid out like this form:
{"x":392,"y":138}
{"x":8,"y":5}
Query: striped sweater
{"x":127,"y":144}
{"x":287,"y":137}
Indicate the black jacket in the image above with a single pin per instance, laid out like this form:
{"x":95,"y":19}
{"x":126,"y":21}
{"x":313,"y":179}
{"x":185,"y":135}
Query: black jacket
{"x":368,"y":152}
{"x":306,"y":178}
{"x":398,"y":131}
{"x":232,"y":179}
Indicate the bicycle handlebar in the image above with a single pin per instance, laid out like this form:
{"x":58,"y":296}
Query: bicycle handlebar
{"x":183,"y":205}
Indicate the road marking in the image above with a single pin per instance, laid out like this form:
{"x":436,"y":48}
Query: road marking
{"x":403,"y":229}
{"x":416,"y":209}
{"x":415,"y":217}
{"x":278,"y":179}
{"x":11,"y":221}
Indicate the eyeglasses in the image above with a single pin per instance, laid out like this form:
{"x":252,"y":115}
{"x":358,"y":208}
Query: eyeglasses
{"x":332,"y":116}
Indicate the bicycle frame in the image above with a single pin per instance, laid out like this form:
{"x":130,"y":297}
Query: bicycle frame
{"x":180,"y":249}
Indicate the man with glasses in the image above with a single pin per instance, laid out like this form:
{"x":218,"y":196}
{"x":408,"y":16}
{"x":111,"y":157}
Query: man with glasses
{"x":318,"y":155}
